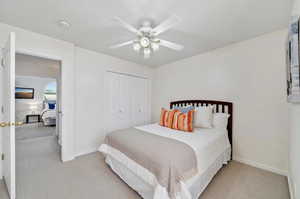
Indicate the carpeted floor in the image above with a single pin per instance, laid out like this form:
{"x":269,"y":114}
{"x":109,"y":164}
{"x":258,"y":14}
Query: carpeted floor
{"x":41,"y":175}
{"x":29,"y":131}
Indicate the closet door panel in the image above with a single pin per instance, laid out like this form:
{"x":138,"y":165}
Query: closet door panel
{"x":124,"y":102}
{"x":128,"y":101}
{"x":113,"y":101}
{"x":139,"y":101}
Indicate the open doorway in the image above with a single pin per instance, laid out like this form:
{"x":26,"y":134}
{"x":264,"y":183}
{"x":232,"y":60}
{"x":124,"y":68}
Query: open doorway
{"x":37,"y":105}
{"x":37,"y":97}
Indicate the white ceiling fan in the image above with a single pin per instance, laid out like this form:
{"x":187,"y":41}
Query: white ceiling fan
{"x":147,"y":41}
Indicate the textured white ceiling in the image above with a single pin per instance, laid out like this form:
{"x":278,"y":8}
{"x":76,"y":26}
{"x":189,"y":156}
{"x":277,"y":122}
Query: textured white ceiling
{"x":206,"y":24}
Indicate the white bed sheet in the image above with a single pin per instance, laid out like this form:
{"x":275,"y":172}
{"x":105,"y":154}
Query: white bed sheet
{"x":211,"y":147}
{"x":46,"y":113}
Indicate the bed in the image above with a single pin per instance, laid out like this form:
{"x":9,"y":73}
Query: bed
{"x":49,"y":117}
{"x":212,"y":148}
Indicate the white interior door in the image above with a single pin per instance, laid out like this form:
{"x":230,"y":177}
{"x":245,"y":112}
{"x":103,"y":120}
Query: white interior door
{"x":8,"y":100}
{"x":138,"y":101}
{"x":118,"y":92}
{"x":127,"y":100}
{"x":113,"y":91}
{"x":124,"y":102}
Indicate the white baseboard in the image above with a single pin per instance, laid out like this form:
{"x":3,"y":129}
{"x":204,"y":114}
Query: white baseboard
{"x":261,"y":166}
{"x":87,"y":151}
{"x":291,"y":187}
{"x":67,"y":159}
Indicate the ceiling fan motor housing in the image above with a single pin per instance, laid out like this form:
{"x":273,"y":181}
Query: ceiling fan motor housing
{"x":145,"y":41}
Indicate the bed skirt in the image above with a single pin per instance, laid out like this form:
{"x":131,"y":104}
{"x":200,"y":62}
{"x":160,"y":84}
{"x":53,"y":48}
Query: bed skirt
{"x":145,"y":184}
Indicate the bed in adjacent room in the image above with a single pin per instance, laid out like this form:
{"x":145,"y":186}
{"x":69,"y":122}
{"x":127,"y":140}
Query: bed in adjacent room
{"x":48,"y":115}
{"x":164,"y":163}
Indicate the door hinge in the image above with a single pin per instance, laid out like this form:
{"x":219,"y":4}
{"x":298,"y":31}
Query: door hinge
{"x":2,"y":156}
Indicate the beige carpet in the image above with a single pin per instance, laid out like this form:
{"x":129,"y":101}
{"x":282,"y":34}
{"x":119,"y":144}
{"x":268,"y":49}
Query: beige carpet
{"x":29,"y":131}
{"x":41,"y":175}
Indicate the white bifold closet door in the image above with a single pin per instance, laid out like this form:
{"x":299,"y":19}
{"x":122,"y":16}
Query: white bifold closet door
{"x":128,"y":101}
{"x":139,"y":101}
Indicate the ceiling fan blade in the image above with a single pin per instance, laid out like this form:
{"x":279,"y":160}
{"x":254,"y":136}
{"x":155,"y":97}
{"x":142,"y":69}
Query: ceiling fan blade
{"x":127,"y":26}
{"x":170,"y":45}
{"x":166,"y":25}
{"x":122,"y":44}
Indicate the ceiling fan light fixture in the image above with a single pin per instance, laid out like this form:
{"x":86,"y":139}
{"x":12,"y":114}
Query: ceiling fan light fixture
{"x":136,"y":47}
{"x":155,"y":46}
{"x":147,"y":52}
{"x":145,"y":42}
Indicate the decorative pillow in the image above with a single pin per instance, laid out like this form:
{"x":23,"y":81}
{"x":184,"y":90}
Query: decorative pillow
{"x":183,"y":121}
{"x":51,"y":106}
{"x":166,"y":117}
{"x":203,"y":117}
{"x":184,"y":109}
{"x":220,"y":120}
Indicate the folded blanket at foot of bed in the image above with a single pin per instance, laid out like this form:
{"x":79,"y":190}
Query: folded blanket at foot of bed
{"x":170,"y":160}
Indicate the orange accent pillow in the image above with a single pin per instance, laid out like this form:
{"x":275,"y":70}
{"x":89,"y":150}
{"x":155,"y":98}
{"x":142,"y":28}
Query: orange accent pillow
{"x":166,"y":117}
{"x":183,"y":121}
{"x":163,"y":113}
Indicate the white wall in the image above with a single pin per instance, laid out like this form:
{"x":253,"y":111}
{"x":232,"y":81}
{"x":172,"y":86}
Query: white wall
{"x":39,"y":67}
{"x":90,"y":116}
{"x":29,"y":106}
{"x":251,"y":74}
{"x":294,"y":145}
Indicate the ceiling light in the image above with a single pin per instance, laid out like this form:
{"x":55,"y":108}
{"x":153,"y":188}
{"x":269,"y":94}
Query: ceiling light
{"x":136,"y":47}
{"x":64,"y":24}
{"x":147,"y":52}
{"x":154,"y":46}
{"x":145,"y":42}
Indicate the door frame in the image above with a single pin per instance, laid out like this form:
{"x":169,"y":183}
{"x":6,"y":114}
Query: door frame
{"x":60,"y":59}
{"x":1,"y":116}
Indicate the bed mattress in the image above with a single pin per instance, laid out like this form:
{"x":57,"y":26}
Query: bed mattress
{"x":212,"y":149}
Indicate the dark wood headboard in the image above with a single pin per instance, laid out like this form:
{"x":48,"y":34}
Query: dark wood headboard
{"x":220,"y":106}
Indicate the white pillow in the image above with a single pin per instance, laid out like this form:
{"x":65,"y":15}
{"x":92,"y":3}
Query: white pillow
{"x":203,"y":117}
{"x":220,"y":120}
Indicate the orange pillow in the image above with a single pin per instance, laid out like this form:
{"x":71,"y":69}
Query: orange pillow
{"x":166,"y":117}
{"x":183,"y":121}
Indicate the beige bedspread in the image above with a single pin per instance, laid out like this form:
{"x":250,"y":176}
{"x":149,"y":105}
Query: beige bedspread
{"x":170,"y":160}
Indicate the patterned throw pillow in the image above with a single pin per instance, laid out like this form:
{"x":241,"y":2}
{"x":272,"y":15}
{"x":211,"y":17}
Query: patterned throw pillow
{"x":183,"y":121}
{"x":184,"y":109}
{"x":166,"y":117}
